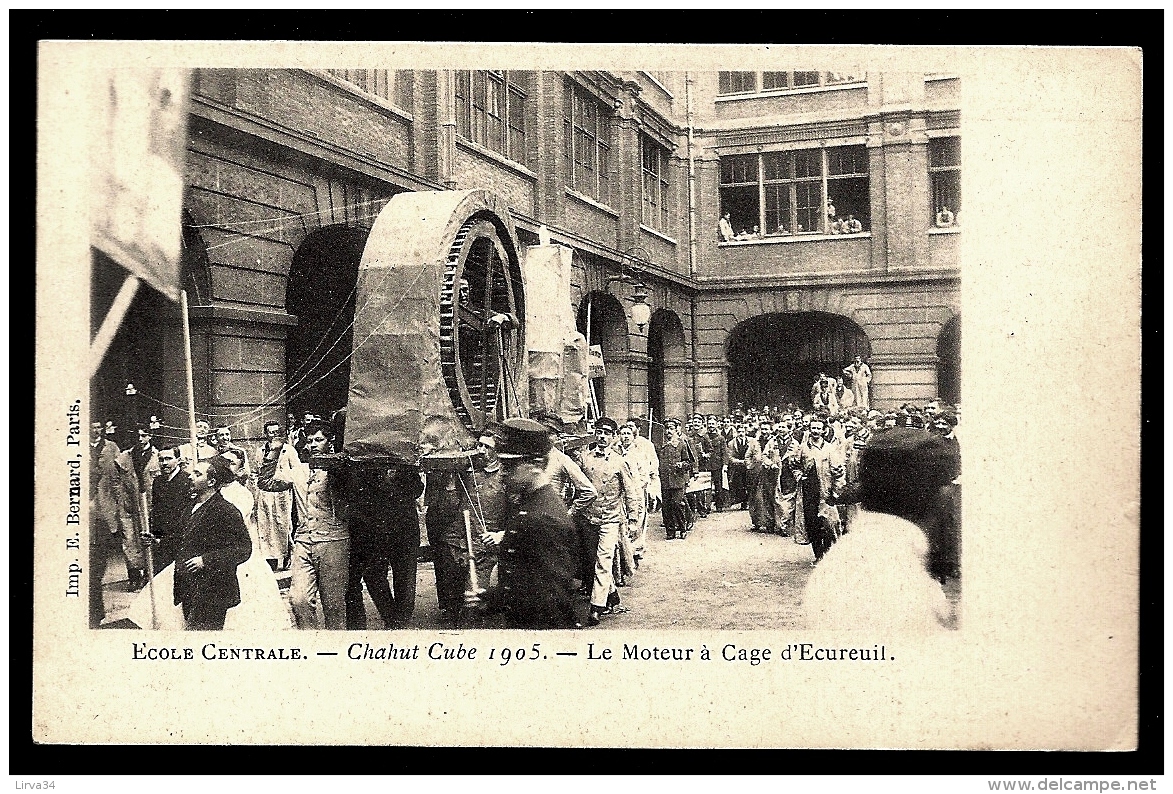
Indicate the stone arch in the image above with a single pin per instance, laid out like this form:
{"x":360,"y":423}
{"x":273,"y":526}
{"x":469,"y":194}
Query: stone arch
{"x":949,"y":360}
{"x":608,"y":329}
{"x":774,"y":358}
{"x":667,"y":365}
{"x":320,"y":293}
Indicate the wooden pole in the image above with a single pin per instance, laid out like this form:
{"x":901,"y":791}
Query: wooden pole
{"x":191,"y":415}
{"x":594,"y":403}
{"x":149,"y":541}
{"x":112,"y":322}
{"x":649,"y":422}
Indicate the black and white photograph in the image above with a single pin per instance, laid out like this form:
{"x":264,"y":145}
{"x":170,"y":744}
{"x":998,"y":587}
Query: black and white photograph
{"x":512,"y":368}
{"x":420,"y":307}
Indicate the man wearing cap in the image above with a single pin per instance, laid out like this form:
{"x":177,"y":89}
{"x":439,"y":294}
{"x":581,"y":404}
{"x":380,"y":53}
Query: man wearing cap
{"x":876,"y":576}
{"x":717,"y":462}
{"x":537,"y":542}
{"x":702,"y":445}
{"x":571,"y":485}
{"x":677,"y":463}
{"x":615,"y":510}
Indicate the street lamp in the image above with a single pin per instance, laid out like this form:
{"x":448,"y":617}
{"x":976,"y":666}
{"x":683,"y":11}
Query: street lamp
{"x":641,"y":312}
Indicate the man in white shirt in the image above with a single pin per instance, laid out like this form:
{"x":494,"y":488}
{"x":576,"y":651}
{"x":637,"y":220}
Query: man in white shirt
{"x":875,"y":577}
{"x":725,"y":228}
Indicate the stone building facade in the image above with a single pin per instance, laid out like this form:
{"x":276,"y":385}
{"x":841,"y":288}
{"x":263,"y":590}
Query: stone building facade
{"x":288,"y":168}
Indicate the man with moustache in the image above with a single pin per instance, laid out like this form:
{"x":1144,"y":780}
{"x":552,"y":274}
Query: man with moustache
{"x":822,"y":477}
{"x":274,"y":508}
{"x":702,"y":445}
{"x":214,"y":543}
{"x":537,"y":542}
{"x":615,"y":510}
{"x":784,"y":454}
{"x":762,"y":476}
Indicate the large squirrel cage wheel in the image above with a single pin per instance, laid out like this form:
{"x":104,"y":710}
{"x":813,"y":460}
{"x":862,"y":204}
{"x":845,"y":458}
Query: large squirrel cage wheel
{"x":480,"y":305}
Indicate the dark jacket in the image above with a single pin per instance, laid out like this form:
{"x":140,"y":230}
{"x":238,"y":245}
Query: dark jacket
{"x":538,"y":562}
{"x":381,"y":505}
{"x":216,"y":533}
{"x":673,"y":475}
{"x":170,"y":505}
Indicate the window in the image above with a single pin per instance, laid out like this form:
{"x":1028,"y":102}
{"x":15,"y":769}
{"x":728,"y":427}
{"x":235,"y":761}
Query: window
{"x":655,"y":175}
{"x":809,"y":191}
{"x":945,"y":176}
{"x":748,"y":82}
{"x":587,"y":143}
{"x":396,"y":86}
{"x":736,"y":82}
{"x":490,"y":110}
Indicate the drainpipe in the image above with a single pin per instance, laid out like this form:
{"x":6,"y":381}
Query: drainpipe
{"x":446,"y":115}
{"x":691,"y":179}
{"x":691,"y":231}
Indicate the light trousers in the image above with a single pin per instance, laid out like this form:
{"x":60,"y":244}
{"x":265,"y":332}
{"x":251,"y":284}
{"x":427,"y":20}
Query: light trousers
{"x":604,"y":557}
{"x":319,"y":574}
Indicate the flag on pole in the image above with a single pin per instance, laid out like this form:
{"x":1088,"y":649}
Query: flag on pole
{"x":139,"y":138}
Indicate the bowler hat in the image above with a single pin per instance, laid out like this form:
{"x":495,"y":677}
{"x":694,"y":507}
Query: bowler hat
{"x":520,"y":438}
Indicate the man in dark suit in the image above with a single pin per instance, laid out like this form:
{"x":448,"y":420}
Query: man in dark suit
{"x":170,"y":508}
{"x":538,"y":541}
{"x":214,"y":543}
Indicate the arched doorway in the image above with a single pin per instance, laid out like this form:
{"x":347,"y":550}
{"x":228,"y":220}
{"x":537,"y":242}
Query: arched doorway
{"x":775,"y":358}
{"x":666,"y":382}
{"x":321,"y":294}
{"x":608,"y":330}
{"x":949,"y":361}
{"x":147,"y":351}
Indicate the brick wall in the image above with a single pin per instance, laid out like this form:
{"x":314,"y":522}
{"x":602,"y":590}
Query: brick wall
{"x":474,"y":170}
{"x":304,"y":103}
{"x":591,"y":222}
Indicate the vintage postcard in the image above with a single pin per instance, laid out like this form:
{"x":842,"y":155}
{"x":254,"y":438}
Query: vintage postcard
{"x":587,"y":396}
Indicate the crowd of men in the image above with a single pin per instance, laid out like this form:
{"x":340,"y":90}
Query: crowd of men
{"x":539,"y":527}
